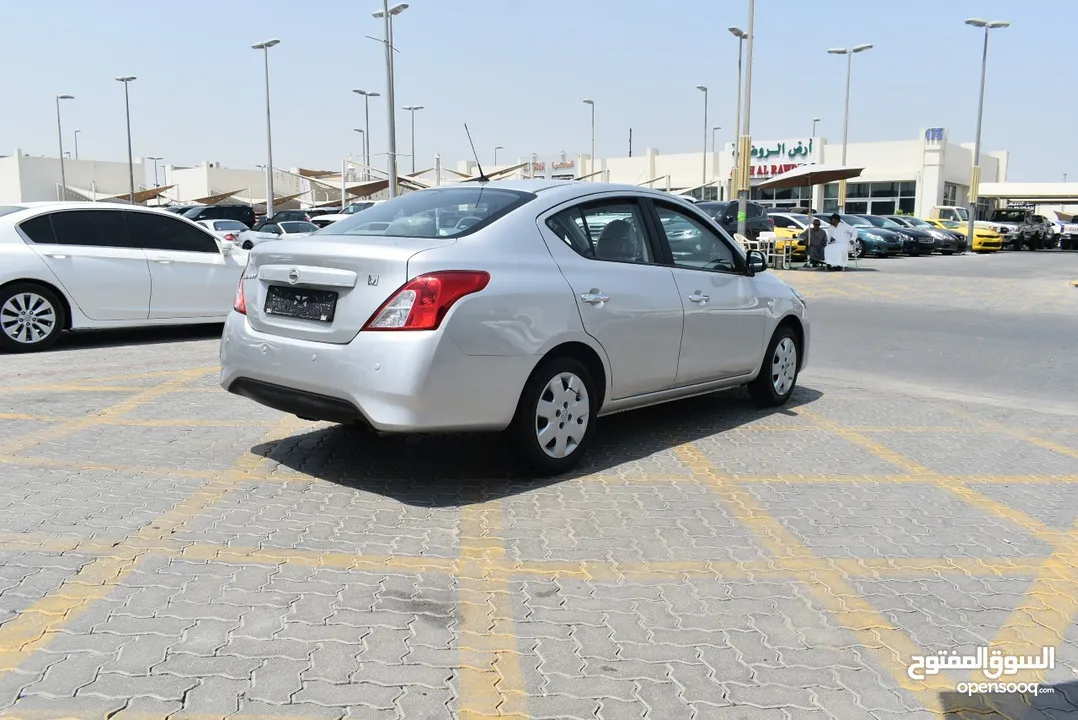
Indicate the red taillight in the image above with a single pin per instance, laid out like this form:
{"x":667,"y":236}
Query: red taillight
{"x":230,"y":237}
{"x":423,"y":302}
{"x":240,"y":303}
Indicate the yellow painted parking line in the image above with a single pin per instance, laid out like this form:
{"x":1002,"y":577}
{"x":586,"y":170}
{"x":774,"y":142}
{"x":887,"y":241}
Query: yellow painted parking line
{"x":994,"y":507}
{"x":70,"y":388}
{"x":35,"y":626}
{"x":77,"y":465}
{"x":491,"y":684}
{"x":1027,"y":437}
{"x":879,"y":450}
{"x":121,"y":408}
{"x":890,"y":646}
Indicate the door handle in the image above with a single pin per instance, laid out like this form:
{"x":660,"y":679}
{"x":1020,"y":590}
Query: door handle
{"x":162,"y":261}
{"x":58,"y":256}
{"x":699,"y":297}
{"x":594,"y":297}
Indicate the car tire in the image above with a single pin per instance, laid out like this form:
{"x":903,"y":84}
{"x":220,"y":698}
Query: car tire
{"x":21,"y":301}
{"x":858,"y":249}
{"x":247,"y":245}
{"x":557,"y":381}
{"x":778,"y":371}
{"x":946,"y":252}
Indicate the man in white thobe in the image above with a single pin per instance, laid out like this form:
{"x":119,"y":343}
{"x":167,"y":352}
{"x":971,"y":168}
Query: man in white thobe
{"x":840,"y":243}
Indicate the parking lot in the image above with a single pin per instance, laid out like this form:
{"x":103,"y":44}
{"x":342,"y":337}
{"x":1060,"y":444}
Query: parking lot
{"x":167,"y":549}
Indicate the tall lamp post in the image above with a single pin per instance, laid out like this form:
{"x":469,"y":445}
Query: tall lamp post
{"x":745,"y":149}
{"x":849,"y":53}
{"x":736,"y":185}
{"x":60,"y":133}
{"x":77,"y":144}
{"x":367,"y":129}
{"x":264,"y":47}
{"x":126,"y":80}
{"x":412,"y":109}
{"x":715,"y":160}
{"x":703,"y":171}
{"x":591,"y":157}
{"x":975,"y":173}
{"x":386,"y":15}
{"x":496,"y":149}
{"x":814,"y":121}
{"x":362,"y":140}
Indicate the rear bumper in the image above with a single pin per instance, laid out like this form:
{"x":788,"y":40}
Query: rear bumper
{"x":394,"y":382}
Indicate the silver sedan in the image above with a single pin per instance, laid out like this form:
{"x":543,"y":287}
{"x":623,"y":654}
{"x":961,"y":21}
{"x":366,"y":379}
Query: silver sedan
{"x":274,"y":231}
{"x":532,"y":306}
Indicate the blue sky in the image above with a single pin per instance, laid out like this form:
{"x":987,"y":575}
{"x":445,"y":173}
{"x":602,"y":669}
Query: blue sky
{"x":516,"y":72}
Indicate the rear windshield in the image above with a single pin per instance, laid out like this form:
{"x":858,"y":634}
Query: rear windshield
{"x":449,"y":212}
{"x":228,"y":225}
{"x":297,"y":226}
{"x":1015,"y":216}
{"x":856,"y":221}
{"x":8,"y":209}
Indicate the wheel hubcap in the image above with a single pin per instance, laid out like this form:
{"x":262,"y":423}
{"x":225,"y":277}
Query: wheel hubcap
{"x":784,"y":366}
{"x":27,"y":318}
{"x":562,"y":415}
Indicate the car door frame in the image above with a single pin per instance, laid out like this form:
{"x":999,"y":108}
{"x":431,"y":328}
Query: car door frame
{"x":747,"y":322}
{"x":615,"y":397}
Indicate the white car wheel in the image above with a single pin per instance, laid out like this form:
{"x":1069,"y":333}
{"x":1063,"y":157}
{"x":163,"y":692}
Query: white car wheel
{"x":31,"y":318}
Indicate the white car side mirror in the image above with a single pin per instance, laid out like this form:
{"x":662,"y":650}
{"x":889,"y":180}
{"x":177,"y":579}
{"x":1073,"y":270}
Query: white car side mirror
{"x":226,"y":247}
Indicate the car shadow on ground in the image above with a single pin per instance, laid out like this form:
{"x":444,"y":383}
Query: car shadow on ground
{"x":457,"y":470}
{"x":85,"y":339}
{"x":1062,"y":701}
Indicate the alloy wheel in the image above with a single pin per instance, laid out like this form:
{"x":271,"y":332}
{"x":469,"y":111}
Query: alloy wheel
{"x":562,"y":415}
{"x":784,"y":366}
{"x":27,"y":318}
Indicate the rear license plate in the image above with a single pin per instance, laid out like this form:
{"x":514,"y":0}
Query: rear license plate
{"x":302,"y":303}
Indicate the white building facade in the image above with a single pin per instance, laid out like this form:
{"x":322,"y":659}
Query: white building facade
{"x":907,"y":176}
{"x":27,"y":178}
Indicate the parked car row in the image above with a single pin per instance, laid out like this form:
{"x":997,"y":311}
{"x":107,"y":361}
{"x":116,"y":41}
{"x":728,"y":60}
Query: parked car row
{"x":878,"y":235}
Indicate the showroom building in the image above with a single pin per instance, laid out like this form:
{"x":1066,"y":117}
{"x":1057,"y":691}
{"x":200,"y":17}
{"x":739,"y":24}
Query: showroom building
{"x":908,"y":176}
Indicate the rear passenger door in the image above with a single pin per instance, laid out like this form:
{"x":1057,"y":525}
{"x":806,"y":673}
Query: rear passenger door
{"x":92,"y":256}
{"x":190,"y":276}
{"x":627,"y":298}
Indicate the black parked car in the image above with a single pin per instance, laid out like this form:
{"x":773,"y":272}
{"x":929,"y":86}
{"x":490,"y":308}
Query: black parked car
{"x":244,"y":213}
{"x":914,"y":241}
{"x":948,"y":242}
{"x":725,"y":214}
{"x":286,"y":216}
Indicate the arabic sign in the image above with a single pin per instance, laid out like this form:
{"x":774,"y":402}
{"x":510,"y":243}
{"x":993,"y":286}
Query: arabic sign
{"x":992,"y":663}
{"x":784,"y":150}
{"x":561,"y":165}
{"x":934,"y":134}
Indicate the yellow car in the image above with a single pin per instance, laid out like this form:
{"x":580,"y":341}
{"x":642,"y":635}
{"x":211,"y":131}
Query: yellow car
{"x":788,"y":226}
{"x":984,"y":240}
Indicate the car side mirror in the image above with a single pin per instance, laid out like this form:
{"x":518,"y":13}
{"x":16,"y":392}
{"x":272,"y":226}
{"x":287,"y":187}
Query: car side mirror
{"x":756,"y":262}
{"x":226,"y":247}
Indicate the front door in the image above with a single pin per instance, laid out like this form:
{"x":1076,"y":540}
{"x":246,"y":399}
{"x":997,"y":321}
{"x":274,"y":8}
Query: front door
{"x":91,"y":255}
{"x":190,"y":276}
{"x":628,"y":300}
{"x":724,"y":320}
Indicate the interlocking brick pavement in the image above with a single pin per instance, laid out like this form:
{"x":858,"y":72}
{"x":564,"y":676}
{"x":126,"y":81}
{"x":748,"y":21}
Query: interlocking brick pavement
{"x":169,"y":550}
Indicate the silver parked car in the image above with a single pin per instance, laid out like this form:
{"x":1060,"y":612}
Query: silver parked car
{"x":533,"y":306}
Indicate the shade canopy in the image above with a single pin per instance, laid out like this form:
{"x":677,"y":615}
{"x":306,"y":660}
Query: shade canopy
{"x":811,"y":175}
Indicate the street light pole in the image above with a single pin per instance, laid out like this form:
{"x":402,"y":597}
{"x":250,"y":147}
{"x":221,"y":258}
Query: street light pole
{"x":703,"y":171}
{"x":126,"y":80}
{"x":715,"y":160}
{"x":60,"y":133}
{"x":591,"y":157}
{"x":412,"y":109}
{"x":975,"y":173}
{"x":77,"y":144}
{"x":362,"y":141}
{"x":496,"y":149}
{"x":264,"y":47}
{"x":736,"y":184}
{"x":849,"y":53}
{"x":746,"y":140}
{"x":814,"y":121}
{"x":386,"y":14}
{"x":367,"y":129}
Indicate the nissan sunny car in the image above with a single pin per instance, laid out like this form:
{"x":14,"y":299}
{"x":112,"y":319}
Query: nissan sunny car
{"x":555,"y":303}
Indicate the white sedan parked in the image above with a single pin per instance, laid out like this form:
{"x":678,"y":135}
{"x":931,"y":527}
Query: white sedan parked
{"x":274,"y":231}
{"x":75,"y":266}
{"x":225,"y":229}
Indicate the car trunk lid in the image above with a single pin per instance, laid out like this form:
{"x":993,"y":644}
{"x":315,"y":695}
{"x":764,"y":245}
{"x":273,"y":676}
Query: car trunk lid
{"x":325,"y":288}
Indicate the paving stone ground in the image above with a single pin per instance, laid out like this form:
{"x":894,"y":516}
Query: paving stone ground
{"x":169,"y":550}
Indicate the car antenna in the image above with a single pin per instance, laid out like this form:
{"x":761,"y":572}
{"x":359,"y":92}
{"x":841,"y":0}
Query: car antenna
{"x":482,"y":176}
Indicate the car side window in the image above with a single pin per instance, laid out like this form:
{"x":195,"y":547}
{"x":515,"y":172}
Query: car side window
{"x":39,"y":230}
{"x":611,"y":230}
{"x":160,"y":232}
{"x":755,"y":211}
{"x":781,"y":222}
{"x":272,"y":229}
{"x":95,"y":228}
{"x":692,"y":243}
